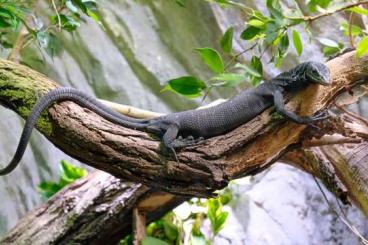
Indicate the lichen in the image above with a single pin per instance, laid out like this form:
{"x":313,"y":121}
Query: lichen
{"x":20,"y":89}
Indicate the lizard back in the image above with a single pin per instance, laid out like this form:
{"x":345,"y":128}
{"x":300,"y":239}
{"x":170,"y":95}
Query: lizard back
{"x":224,"y":117}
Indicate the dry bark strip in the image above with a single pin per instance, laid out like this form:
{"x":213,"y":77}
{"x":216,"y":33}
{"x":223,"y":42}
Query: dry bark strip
{"x":136,"y":156}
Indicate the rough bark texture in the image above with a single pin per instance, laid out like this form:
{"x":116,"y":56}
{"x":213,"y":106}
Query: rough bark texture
{"x":138,"y":157}
{"x":94,"y":210}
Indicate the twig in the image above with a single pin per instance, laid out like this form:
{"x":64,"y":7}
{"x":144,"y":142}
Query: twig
{"x":351,"y":227}
{"x":328,"y":13}
{"x":331,"y":140}
{"x":130,"y":110}
{"x":239,"y":54}
{"x":360,"y":118}
{"x":57,"y":14}
{"x":18,"y":44}
{"x":351,"y":39}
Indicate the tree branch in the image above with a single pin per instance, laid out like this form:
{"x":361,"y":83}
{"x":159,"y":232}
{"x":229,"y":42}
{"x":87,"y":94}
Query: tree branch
{"x":328,"y":13}
{"x":94,"y":210}
{"x":138,"y":157}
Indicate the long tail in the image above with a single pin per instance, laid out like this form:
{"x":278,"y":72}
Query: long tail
{"x":62,"y":94}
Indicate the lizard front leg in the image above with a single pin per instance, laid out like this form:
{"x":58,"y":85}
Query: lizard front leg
{"x":172,"y":141}
{"x":278,"y":100}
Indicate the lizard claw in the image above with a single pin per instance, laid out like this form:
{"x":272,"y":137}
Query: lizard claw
{"x":321,"y":116}
{"x":318,"y":117}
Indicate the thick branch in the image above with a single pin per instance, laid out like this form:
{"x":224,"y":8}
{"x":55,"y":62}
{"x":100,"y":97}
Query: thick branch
{"x":136,"y":156}
{"x":94,"y":210}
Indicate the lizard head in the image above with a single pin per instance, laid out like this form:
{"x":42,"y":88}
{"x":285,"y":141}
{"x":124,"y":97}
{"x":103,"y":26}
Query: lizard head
{"x":317,"y":72}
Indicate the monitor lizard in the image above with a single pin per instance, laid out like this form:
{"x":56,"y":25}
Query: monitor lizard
{"x":180,"y":129}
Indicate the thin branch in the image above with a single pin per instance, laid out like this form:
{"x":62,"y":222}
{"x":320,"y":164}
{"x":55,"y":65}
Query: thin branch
{"x":239,"y":54}
{"x":130,"y":110}
{"x":351,"y":38}
{"x":57,"y":14}
{"x":360,"y":118}
{"x":18,"y":44}
{"x":331,"y":140}
{"x":328,"y":13}
{"x":351,"y":227}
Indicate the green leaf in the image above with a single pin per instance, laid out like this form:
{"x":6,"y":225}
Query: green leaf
{"x":180,"y":3}
{"x":215,"y":214}
{"x":256,"y":23}
{"x":228,"y":79}
{"x":214,"y":206}
{"x":67,"y":23}
{"x":188,"y":86}
{"x":43,"y":38}
{"x":313,"y":5}
{"x":359,"y":10}
{"x":362,"y":47}
{"x":47,"y":189}
{"x":297,"y":42}
{"x":70,"y":173}
{"x":250,"y":32}
{"x":71,"y":6}
{"x":171,"y":230}
{"x":8,"y":17}
{"x":284,"y":43}
{"x":226,"y":195}
{"x":256,"y":64}
{"x":212,"y":59}
{"x":355,"y":30}
{"x":248,"y":69}
{"x":328,"y":51}
{"x":94,"y":16}
{"x":272,"y":32}
{"x":54,"y":45}
{"x":153,"y":241}
{"x":275,"y":9}
{"x":259,"y":15}
{"x":328,"y":42}
{"x":220,"y":222}
{"x":227,"y":40}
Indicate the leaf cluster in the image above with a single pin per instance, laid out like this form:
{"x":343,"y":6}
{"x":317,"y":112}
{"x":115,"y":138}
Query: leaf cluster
{"x":69,"y":174}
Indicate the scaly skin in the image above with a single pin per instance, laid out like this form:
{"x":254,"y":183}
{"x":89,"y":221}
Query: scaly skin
{"x":193,"y":125}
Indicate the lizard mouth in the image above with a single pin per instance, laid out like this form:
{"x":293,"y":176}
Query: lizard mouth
{"x":323,"y":82}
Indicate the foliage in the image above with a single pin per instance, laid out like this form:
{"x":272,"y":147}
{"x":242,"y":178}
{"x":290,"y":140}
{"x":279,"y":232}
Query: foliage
{"x":65,"y":15}
{"x":184,"y":225}
{"x":272,"y":33}
{"x":69,"y":174}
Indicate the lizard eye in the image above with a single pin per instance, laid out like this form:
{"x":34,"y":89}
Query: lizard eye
{"x":315,"y":72}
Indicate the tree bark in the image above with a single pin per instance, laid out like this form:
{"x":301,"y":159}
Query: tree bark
{"x":134,"y":155}
{"x":94,"y":210}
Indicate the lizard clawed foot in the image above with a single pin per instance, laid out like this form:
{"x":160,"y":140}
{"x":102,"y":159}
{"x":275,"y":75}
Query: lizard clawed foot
{"x":316,"y":118}
{"x":320,"y":116}
{"x":181,"y":142}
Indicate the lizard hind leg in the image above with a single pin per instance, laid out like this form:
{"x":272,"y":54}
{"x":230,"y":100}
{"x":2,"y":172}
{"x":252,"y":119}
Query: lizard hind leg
{"x":181,"y":142}
{"x":172,"y":141}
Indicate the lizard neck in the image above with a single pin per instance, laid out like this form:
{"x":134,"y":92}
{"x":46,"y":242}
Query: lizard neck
{"x":292,"y":80}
